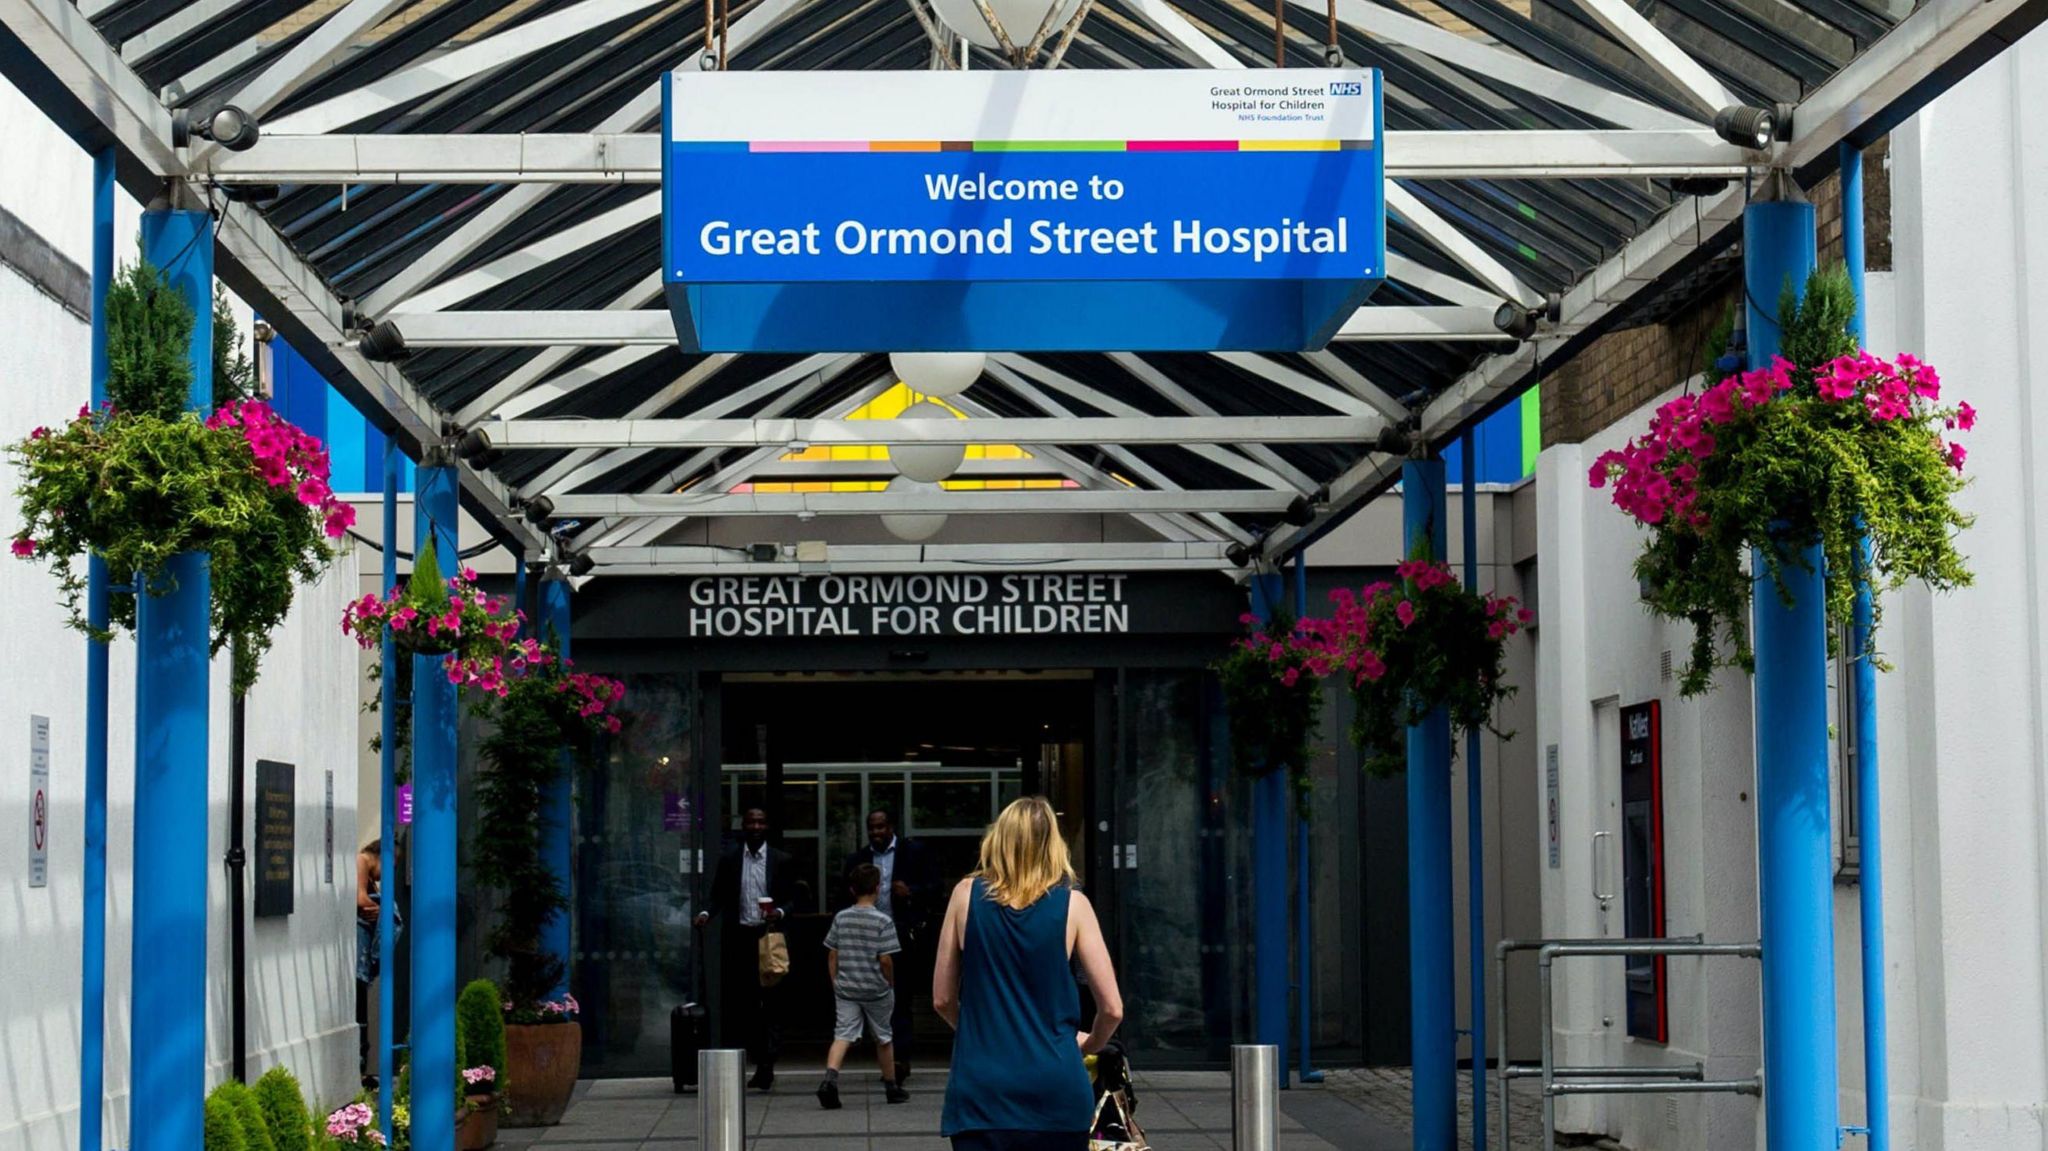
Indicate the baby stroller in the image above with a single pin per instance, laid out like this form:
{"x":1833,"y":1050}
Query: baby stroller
{"x":1116,"y":1103}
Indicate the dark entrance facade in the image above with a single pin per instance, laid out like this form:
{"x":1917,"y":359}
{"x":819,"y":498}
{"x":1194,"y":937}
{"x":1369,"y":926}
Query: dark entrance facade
{"x":1124,"y":730}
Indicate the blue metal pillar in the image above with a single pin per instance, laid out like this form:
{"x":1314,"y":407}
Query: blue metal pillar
{"x":167,"y":1066}
{"x":92,"y":1025}
{"x":1433,"y":1023}
{"x":1794,"y":849}
{"x":431,"y":1049}
{"x":556,"y":811}
{"x":1271,"y":804}
{"x":387,"y":843}
{"x":1475,"y":821}
{"x":1304,"y":922}
{"x":1870,"y":859}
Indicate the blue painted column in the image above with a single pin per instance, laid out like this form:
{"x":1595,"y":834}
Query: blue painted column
{"x":1433,"y":1023}
{"x":167,"y":1065}
{"x":387,"y":843}
{"x":556,"y":812}
{"x":431,"y":1049}
{"x":1272,"y":804}
{"x":1304,"y":921}
{"x":1794,"y":849}
{"x":1475,"y":821}
{"x":92,"y":1023}
{"x":1869,"y":814}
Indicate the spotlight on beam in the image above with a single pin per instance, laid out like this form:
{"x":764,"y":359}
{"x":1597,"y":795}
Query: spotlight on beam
{"x":1518,"y":322}
{"x":229,"y":126}
{"x":1745,"y":127}
{"x":581,"y":564}
{"x":383,"y":344}
{"x":1238,"y":554}
{"x":540,"y":509}
{"x":474,"y":442}
{"x":1300,"y":512}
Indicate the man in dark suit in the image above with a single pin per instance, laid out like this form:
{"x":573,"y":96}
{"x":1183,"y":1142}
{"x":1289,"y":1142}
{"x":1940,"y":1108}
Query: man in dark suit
{"x":753,"y":887}
{"x":910,"y":895}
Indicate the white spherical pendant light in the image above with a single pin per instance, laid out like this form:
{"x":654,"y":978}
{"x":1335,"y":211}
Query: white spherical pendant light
{"x":938,"y":373}
{"x":1021,"y":19}
{"x":913,"y":527}
{"x":927,"y":463}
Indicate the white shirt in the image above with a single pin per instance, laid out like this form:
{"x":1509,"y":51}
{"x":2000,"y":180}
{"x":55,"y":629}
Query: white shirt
{"x":753,"y":883}
{"x":885,"y":859}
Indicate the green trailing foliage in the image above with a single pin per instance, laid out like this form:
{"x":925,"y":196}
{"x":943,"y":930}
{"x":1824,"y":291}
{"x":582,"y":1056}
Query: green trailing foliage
{"x":1273,"y":714}
{"x":1818,"y":453}
{"x":283,"y":1107}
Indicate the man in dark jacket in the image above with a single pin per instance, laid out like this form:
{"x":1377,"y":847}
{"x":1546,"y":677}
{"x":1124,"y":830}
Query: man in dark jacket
{"x":910,"y":895}
{"x":754,"y":886}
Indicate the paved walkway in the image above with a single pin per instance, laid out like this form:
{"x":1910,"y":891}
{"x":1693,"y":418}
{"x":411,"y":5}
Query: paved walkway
{"x":1180,"y":1111}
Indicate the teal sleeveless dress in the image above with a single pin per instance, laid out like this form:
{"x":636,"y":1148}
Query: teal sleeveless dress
{"x":1018,"y":1078}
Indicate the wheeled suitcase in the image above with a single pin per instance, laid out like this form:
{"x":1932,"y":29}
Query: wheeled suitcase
{"x":688,"y":1026}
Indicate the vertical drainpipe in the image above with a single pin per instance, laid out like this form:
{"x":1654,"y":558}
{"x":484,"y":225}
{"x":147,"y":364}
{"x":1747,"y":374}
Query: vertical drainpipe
{"x":431,"y":1050}
{"x":1475,"y":821}
{"x":93,"y":961}
{"x":167,"y":1073}
{"x":1271,"y":802}
{"x":1870,"y":858}
{"x":1431,"y":962}
{"x":387,"y":823}
{"x":237,"y":866}
{"x":1795,"y":884}
{"x":1304,"y":922}
{"x":556,"y":811}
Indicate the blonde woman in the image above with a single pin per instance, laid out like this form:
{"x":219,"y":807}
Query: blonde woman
{"x":1005,"y":982}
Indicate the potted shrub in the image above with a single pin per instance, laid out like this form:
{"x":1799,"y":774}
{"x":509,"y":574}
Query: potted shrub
{"x":1410,"y":647}
{"x":480,"y":1016}
{"x":1273,"y":707}
{"x":142,"y":479}
{"x":1827,"y":446}
{"x":284,"y":1111}
{"x":545,"y":709}
{"x":478,"y":1127}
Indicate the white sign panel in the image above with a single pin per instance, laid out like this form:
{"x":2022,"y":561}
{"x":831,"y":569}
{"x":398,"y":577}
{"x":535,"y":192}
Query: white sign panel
{"x":1550,"y":800}
{"x":39,"y":801}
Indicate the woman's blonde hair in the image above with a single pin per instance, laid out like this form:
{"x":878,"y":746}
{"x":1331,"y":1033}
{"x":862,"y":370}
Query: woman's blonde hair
{"x":1023,"y":855}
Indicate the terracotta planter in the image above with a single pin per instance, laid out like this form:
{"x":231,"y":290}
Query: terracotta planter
{"x":541,"y":1064}
{"x":479,"y":1128}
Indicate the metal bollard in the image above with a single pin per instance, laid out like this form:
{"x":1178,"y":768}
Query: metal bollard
{"x":1254,"y":1074}
{"x":723,"y":1099}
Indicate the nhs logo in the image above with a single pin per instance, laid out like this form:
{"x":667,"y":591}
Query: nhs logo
{"x":1346,"y":88}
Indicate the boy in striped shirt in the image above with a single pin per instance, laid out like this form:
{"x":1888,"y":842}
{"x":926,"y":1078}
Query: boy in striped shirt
{"x":861,"y":950}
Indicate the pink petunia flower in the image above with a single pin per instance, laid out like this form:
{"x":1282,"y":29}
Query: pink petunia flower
{"x":24,"y":547}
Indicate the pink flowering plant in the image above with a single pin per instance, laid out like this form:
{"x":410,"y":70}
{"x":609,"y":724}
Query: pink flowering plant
{"x":1273,"y":706}
{"x":1822,"y":447}
{"x":532,"y":1011}
{"x":1408,"y":648}
{"x":354,"y":1126}
{"x":141,"y":479}
{"x":477,"y":633}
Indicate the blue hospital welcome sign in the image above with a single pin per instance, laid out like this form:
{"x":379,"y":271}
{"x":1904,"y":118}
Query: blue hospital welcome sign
{"x":1072,"y":210}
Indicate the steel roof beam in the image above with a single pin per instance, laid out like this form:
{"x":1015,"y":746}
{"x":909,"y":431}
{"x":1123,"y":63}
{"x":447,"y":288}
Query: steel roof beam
{"x":649,"y":328}
{"x":531,"y":385}
{"x":302,"y":62}
{"x":697,"y":559}
{"x":1030,"y":501}
{"x":630,"y":157}
{"x":1677,"y":68}
{"x":515,"y":202}
{"x":805,"y":471}
{"x":1458,"y":246}
{"x":797,"y":434}
{"x":1172,"y":392}
{"x":542,"y":252}
{"x":464,"y":63}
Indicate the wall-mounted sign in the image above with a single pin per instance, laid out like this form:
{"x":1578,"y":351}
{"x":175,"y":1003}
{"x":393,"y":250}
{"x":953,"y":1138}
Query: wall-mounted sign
{"x":1642,"y":864}
{"x":276,"y":837}
{"x":728,"y":607}
{"x":39,"y":801}
{"x":404,"y":799}
{"x":1020,"y":210}
{"x":328,"y":853}
{"x":1550,"y":802}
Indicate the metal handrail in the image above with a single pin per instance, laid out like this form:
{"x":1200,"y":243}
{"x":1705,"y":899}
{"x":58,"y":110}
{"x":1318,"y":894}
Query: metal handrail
{"x":1601,"y":1080}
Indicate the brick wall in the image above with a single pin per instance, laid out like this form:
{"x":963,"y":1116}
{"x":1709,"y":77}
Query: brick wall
{"x":1623,"y":370}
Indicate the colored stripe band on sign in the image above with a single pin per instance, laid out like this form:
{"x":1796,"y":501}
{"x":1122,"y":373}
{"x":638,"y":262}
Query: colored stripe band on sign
{"x":846,"y":146}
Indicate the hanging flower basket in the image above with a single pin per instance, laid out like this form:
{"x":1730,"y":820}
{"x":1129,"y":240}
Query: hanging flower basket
{"x":451,"y":617}
{"x":1409,"y":648}
{"x":1272,"y":706}
{"x":141,"y":480}
{"x":1827,"y":445}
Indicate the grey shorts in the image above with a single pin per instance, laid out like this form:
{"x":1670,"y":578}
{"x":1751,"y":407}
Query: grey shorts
{"x":873,"y":1012}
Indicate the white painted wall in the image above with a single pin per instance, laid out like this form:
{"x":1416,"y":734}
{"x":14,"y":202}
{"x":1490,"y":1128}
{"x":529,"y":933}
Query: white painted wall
{"x":300,"y":993}
{"x":1964,"y":758}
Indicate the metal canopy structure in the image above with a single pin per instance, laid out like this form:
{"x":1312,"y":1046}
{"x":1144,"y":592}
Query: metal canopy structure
{"x":470,"y":179}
